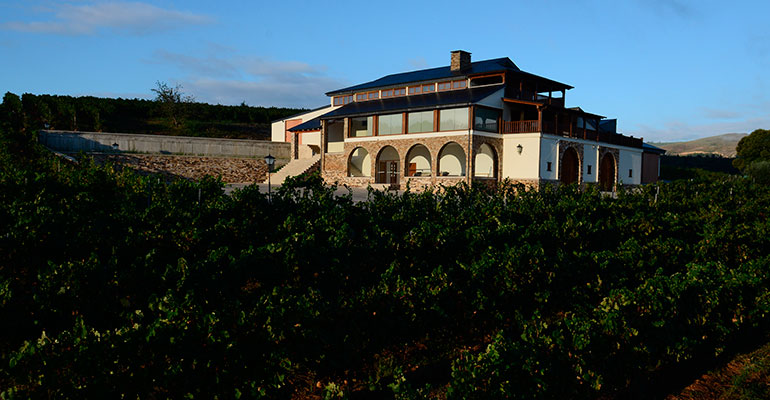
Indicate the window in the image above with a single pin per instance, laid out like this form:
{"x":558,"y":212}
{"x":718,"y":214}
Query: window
{"x":630,"y":173}
{"x":374,"y":95}
{"x":387,"y":93}
{"x":342,"y":100}
{"x":420,"y":121}
{"x":453,"y":119}
{"x":487,"y":80}
{"x":444,"y":85}
{"x":360,"y":96}
{"x":390,"y":124}
{"x":485,"y":119}
{"x":361,"y":126}
{"x":415,"y":89}
{"x":548,"y":166}
{"x":399,"y":92}
{"x":589,"y":170}
{"x":429,"y":88}
{"x":458,"y":84}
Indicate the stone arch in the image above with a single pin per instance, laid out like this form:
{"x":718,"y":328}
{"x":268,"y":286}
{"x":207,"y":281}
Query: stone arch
{"x":359,"y":163}
{"x":608,"y":172}
{"x":418,"y":161}
{"x":569,"y":166}
{"x":485,"y":162}
{"x":387,"y":165}
{"x":451,"y":160}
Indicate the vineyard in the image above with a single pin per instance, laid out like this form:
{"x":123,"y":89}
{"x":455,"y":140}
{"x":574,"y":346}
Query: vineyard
{"x":118,"y":285}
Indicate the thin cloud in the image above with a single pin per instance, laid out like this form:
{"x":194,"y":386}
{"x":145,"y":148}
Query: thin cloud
{"x":228,"y":78}
{"x":714,"y":113}
{"x":680,"y":130}
{"x":126,"y":17}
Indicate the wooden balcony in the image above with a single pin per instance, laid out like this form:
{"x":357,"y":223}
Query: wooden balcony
{"x":564,"y":129}
{"x":521,"y":126}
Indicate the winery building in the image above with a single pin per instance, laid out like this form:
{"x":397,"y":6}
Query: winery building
{"x":474,"y":122}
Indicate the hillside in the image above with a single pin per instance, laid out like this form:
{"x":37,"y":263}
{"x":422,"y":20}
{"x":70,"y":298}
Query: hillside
{"x":723,"y":145}
{"x":94,"y":114}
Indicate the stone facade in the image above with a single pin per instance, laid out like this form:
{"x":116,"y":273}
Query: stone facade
{"x":335,"y":165}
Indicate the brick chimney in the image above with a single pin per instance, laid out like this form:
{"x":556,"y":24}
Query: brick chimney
{"x":461,"y":60}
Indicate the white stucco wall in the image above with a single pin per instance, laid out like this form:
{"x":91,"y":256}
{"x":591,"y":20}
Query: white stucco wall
{"x":630,"y":160}
{"x":524,"y":165}
{"x":495,"y":100}
{"x":590,"y":158}
{"x":549,"y":152}
{"x":311,"y":138}
{"x":278,"y":128}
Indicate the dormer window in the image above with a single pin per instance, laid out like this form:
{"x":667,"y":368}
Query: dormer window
{"x":342,"y":100}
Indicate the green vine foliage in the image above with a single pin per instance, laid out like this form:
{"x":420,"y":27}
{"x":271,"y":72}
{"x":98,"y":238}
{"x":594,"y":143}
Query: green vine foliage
{"x":115,"y":285}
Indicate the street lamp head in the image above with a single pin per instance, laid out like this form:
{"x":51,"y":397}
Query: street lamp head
{"x":115,"y":146}
{"x":269,"y":160}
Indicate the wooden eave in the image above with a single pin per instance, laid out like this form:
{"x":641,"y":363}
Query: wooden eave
{"x":528,"y":102}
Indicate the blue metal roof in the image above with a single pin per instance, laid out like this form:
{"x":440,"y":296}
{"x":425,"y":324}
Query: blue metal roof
{"x":652,"y":149}
{"x":419,"y":102}
{"x":478,"y":67}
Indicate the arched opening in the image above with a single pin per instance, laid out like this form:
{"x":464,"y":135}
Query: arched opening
{"x":485,"y":162}
{"x":359,"y":164}
{"x":570,"y":167}
{"x":607,"y":172}
{"x":387,"y":166}
{"x":451,"y":160}
{"x":418,"y":161}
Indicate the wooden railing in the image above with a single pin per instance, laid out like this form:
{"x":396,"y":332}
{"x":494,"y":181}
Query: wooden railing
{"x":521,"y":126}
{"x":564,"y":130}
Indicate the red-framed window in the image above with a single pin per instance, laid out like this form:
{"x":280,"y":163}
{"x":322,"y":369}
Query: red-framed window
{"x":342,"y":100}
{"x":387,"y":93}
{"x":415,"y":89}
{"x":429,"y":88}
{"x":399,"y":92}
{"x":459,"y":84}
{"x":444,"y":86}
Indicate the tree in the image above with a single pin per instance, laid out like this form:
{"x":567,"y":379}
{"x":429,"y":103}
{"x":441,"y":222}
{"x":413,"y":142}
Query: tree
{"x":753,"y":148}
{"x":172,"y":101}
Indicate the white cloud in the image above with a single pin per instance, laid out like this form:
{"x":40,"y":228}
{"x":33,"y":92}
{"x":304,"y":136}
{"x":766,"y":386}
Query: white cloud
{"x":127,"y":17}
{"x":219,"y":75}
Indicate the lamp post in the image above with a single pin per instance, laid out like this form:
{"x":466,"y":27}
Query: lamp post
{"x":269,"y":160}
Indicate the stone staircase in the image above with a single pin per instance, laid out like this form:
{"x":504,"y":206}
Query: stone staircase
{"x":294,"y":168}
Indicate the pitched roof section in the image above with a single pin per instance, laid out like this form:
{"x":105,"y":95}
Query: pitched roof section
{"x":309,"y":125}
{"x":419,"y":102}
{"x":478,"y":67}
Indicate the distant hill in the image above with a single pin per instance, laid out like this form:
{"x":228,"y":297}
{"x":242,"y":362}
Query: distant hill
{"x":723,"y":145}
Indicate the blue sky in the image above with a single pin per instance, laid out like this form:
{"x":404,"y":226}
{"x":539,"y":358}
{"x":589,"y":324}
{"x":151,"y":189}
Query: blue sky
{"x":667,"y":69}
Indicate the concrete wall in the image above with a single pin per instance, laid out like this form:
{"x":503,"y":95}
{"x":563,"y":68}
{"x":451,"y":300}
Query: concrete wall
{"x":525,"y":165}
{"x":549,"y":152}
{"x":73,"y":142}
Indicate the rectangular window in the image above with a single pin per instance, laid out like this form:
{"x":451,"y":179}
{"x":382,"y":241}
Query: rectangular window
{"x":415,"y":90}
{"x":589,"y":170}
{"x":342,"y":100}
{"x":458,"y":84}
{"x":420,"y":121}
{"x":548,"y":166}
{"x":428,"y":88}
{"x":485,"y":119}
{"x":387,"y":93}
{"x":374,"y":95}
{"x":390,"y":124}
{"x":453,"y":119}
{"x":444,"y":85}
{"x":399,"y":92}
{"x":630,"y":173}
{"x":361,"y":97}
{"x":361,"y":126}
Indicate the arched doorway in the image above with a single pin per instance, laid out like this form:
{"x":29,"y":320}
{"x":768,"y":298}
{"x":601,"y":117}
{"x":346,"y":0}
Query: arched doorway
{"x":418,"y":161}
{"x":607,"y":172}
{"x":360,"y":163}
{"x":387,"y":166}
{"x":485,"y":162}
{"x":570,"y":167}
{"x":451,"y":160}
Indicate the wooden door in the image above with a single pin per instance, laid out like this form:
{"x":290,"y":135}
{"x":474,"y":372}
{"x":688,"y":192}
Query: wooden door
{"x":382,"y":170}
{"x":569,"y":167}
{"x":393,"y":170}
{"x":607,"y":173}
